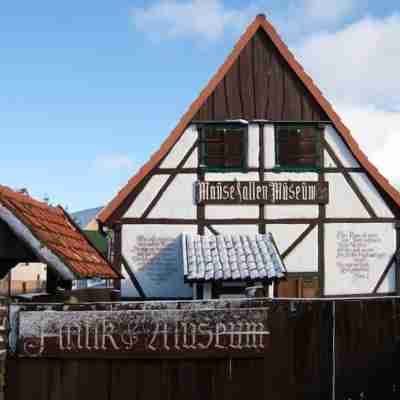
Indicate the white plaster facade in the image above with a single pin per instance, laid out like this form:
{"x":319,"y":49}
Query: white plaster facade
{"x":178,"y":202}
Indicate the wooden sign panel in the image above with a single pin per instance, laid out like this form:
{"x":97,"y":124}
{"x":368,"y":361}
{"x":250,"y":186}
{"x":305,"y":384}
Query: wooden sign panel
{"x":143,"y":332}
{"x":253,"y":192}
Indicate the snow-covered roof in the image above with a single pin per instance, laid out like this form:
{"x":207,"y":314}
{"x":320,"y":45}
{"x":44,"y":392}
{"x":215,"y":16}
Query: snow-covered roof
{"x":231,"y":258}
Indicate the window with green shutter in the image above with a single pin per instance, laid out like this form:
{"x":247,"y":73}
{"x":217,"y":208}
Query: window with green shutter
{"x":223,"y":147}
{"x":297,"y":147}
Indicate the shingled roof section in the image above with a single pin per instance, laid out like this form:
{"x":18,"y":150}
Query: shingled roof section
{"x":260,"y":22}
{"x":60,"y":239}
{"x":231,"y":258}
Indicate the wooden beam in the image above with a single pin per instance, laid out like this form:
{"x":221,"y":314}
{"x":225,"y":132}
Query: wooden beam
{"x":169,"y":181}
{"x":303,"y":235}
{"x":200,"y":208}
{"x":212,"y":230}
{"x":327,"y":170}
{"x":397,"y":260}
{"x":133,"y":278}
{"x":384,"y":273}
{"x":253,"y":221}
{"x":321,"y":225}
{"x":117,"y":253}
{"x":350,"y":181}
{"x":261,"y":167}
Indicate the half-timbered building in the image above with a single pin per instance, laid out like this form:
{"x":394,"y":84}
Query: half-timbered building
{"x":260,"y":164}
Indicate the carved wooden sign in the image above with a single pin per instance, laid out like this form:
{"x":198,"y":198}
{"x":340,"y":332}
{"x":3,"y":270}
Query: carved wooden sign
{"x":254,"y":192}
{"x":143,"y":332}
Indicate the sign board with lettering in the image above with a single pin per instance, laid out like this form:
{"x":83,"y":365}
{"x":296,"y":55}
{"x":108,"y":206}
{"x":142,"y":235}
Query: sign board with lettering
{"x":175,"y":328}
{"x":356,"y":257}
{"x":270,"y":192}
{"x":154,"y":254}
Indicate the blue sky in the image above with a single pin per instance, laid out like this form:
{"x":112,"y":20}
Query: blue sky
{"x":90,"y":89}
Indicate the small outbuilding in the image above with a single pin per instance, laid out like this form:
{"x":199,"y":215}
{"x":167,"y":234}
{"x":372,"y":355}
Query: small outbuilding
{"x":35,"y":232}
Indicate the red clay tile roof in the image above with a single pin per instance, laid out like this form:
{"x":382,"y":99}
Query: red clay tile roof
{"x":56,"y":231}
{"x":260,"y":22}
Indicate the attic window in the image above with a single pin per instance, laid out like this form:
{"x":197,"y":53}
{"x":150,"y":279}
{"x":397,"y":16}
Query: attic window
{"x":223,"y":147}
{"x":297,"y":147}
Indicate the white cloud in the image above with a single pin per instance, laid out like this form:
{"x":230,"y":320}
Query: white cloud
{"x":204,"y":19}
{"x":211,"y":19}
{"x":357,"y":69}
{"x":327,"y":11}
{"x":113,"y":162}
{"x":358,"y":64}
{"x":378,"y":134}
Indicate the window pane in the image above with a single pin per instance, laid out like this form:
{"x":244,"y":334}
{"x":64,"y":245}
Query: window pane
{"x":214,"y":161}
{"x":214,"y":135}
{"x":297,"y":146}
{"x":215,"y":149}
{"x":233,"y":144}
{"x":223,"y":147}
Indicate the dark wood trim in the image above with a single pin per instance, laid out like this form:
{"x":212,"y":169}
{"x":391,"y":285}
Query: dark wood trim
{"x":164,"y":187}
{"x":305,"y":275}
{"x":358,"y":295}
{"x":212,"y":230}
{"x":330,"y":170}
{"x":200,"y":208}
{"x":337,"y":170}
{"x":359,"y":220}
{"x":261,"y":168}
{"x":397,"y":260}
{"x":350,"y":181}
{"x":169,"y":171}
{"x":126,"y":203}
{"x":303,"y":235}
{"x":252,"y":221}
{"x":384,"y":273}
{"x":216,"y":281}
{"x":321,"y":218}
{"x":132,"y":277}
{"x":265,"y":121}
{"x":117,"y":253}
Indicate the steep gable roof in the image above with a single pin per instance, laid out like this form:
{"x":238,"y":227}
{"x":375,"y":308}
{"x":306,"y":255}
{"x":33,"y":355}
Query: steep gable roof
{"x":198,"y":110}
{"x":53,"y":237}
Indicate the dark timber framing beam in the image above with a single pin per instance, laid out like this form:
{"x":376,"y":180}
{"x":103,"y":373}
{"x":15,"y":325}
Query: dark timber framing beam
{"x":385,"y":272}
{"x":303,"y":235}
{"x":397,"y":226}
{"x":200,"y":208}
{"x":321,"y":225}
{"x":133,"y":278}
{"x":253,"y":221}
{"x":327,"y":170}
{"x":350,"y":181}
{"x":261,"y":168}
{"x":164,"y":187}
{"x":211,"y":229}
{"x":117,"y":253}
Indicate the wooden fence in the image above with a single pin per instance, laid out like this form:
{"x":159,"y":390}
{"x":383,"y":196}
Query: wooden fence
{"x":296,"y":349}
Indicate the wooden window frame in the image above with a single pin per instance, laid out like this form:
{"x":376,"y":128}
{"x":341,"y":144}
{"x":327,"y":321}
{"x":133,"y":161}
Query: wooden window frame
{"x":298,"y":168}
{"x":242,"y":129}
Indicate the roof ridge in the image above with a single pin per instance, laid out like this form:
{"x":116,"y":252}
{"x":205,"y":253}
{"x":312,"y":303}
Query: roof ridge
{"x":27,"y":198}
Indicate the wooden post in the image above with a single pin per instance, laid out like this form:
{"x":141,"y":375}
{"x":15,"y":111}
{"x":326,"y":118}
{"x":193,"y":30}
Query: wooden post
{"x":261,"y":167}
{"x":51,"y":281}
{"x":397,"y":258}
{"x":321,"y":220}
{"x":117,"y":253}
